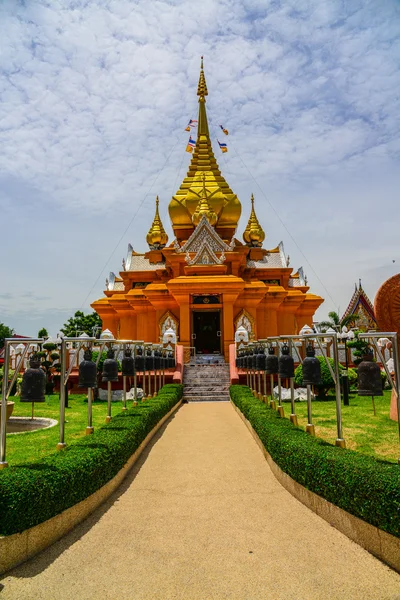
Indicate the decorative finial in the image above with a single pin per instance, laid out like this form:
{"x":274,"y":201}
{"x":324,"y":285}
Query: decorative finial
{"x":202,"y":87}
{"x":253,"y":234}
{"x":157,"y":237}
{"x":204,"y":208}
{"x":123,"y":265}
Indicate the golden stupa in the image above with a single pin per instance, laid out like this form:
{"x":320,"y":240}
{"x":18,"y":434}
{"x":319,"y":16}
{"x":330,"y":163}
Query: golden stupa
{"x":223,"y":201}
{"x":206,"y":283}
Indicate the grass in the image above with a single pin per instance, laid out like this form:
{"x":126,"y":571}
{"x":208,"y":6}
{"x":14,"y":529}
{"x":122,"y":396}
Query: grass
{"x":32,"y":446}
{"x":373,"y":435}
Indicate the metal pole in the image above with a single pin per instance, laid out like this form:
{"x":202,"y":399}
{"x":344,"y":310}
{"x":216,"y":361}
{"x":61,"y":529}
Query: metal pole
{"x":135,"y":376}
{"x":340,"y":440}
{"x":293,"y":416}
{"x":3,"y":462}
{"x":310,"y":427}
{"x":345,"y":375}
{"x":109,"y":396}
{"x":280,"y":409}
{"x":89,"y":428}
{"x":272,"y":404}
{"x":397,"y":378}
{"x":124,"y":392}
{"x":144,"y":374}
{"x":61,"y":444}
{"x":265,"y":386}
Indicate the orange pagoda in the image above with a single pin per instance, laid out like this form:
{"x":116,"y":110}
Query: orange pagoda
{"x":206,"y":283}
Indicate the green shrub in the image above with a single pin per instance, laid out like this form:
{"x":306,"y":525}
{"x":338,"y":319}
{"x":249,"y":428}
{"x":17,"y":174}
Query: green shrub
{"x":363,"y":486}
{"x":33,"y":493}
{"x":326,"y":377}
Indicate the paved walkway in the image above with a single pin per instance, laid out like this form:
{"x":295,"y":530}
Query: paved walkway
{"x":201,"y":517}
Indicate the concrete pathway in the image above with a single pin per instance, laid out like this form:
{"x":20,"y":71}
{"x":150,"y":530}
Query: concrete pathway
{"x":201,"y":517}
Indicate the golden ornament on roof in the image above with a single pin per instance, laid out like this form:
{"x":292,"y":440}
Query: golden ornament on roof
{"x":203,"y":208}
{"x":223,"y":202}
{"x":157,"y":237}
{"x":253,"y":234}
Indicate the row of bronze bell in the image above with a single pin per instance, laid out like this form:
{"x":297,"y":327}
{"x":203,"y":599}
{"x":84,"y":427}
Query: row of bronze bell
{"x":255,"y":358}
{"x":34,"y":378}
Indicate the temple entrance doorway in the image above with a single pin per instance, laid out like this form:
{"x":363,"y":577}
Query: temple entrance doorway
{"x":206,"y":331}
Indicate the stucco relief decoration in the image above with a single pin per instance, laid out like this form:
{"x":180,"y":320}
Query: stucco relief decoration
{"x":241,"y":334}
{"x":168,"y":321}
{"x":387,"y":305}
{"x":246,"y":321}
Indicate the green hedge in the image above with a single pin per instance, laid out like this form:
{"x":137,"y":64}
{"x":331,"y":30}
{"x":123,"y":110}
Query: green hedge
{"x":33,"y":493}
{"x":363,"y":486}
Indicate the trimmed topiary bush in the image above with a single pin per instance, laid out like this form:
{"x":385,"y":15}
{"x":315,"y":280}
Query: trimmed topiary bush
{"x":33,"y":493}
{"x":362,"y":485}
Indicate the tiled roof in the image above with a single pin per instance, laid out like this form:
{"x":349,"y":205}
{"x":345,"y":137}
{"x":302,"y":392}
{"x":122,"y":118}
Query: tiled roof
{"x":140,"y":263}
{"x":270,"y":261}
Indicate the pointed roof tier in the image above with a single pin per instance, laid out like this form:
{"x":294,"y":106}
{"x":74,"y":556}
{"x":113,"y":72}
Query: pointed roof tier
{"x":204,"y":168}
{"x":157,"y":237}
{"x":361,"y":305}
{"x":253,"y":234}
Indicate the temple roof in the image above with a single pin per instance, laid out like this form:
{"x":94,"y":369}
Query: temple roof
{"x":275,"y":258}
{"x":361,"y":305}
{"x":203,"y":164}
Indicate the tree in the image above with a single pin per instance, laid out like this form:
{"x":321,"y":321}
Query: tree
{"x":43,"y":333}
{"x":81,"y":323}
{"x":5,"y":332}
{"x":336,"y":323}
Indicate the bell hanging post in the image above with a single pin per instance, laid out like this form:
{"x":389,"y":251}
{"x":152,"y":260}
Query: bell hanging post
{"x":127,"y":369}
{"x":271,"y":369}
{"x":9,"y":343}
{"x":110,"y":375}
{"x":88,"y":379}
{"x":285,"y":371}
{"x":139,"y":366}
{"x":33,"y":387}
{"x":369,"y":378}
{"x":260,"y":364}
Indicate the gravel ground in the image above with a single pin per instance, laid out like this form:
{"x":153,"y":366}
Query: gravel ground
{"x":201,"y":517}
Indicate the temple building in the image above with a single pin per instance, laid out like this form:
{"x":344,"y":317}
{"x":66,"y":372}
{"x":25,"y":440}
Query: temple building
{"x":206,"y":283}
{"x":361,"y":306}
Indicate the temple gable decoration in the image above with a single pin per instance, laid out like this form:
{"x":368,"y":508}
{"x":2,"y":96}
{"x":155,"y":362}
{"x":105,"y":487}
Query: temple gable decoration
{"x":361,"y":306}
{"x":244,"y":319}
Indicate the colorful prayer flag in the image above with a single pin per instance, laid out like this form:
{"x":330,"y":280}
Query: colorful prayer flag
{"x":192,"y":123}
{"x":226,"y":132}
{"x":223,"y":146}
{"x":190,"y":145}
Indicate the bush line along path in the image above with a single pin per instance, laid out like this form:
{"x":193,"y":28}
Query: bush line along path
{"x":202,"y":517}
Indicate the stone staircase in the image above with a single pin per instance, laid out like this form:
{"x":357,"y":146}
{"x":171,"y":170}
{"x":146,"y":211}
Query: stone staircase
{"x":206,"y":383}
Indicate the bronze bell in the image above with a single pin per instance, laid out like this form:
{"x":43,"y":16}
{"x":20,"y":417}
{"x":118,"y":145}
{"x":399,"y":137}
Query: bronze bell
{"x":260,"y":359}
{"x":271,"y":363}
{"x":87,"y":371}
{"x":369,"y":377}
{"x":110,"y":367}
{"x":171,"y":360}
{"x":149,"y":360}
{"x":33,"y":382}
{"x":139,"y":359}
{"x":128,"y":364}
{"x":311,"y":367}
{"x":157,"y":360}
{"x":285,"y":363}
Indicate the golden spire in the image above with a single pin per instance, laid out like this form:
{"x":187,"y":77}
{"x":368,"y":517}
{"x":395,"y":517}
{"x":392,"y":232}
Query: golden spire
{"x":202,"y":87}
{"x":204,"y":208}
{"x":224,"y":203}
{"x":253,"y":234}
{"x":157,"y":238}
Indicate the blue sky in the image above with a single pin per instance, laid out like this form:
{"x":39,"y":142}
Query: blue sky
{"x":94,"y":98}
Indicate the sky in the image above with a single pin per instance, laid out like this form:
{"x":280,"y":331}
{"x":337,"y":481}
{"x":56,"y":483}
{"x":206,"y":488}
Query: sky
{"x":94,"y":99}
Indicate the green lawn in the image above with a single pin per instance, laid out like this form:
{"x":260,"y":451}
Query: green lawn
{"x":32,"y":446}
{"x":376,"y":436}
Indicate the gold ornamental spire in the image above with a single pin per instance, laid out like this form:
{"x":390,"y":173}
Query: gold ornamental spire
{"x":157,"y":238}
{"x":221,"y":199}
{"x":202,"y":87}
{"x":253,"y":234}
{"x":204,"y":208}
